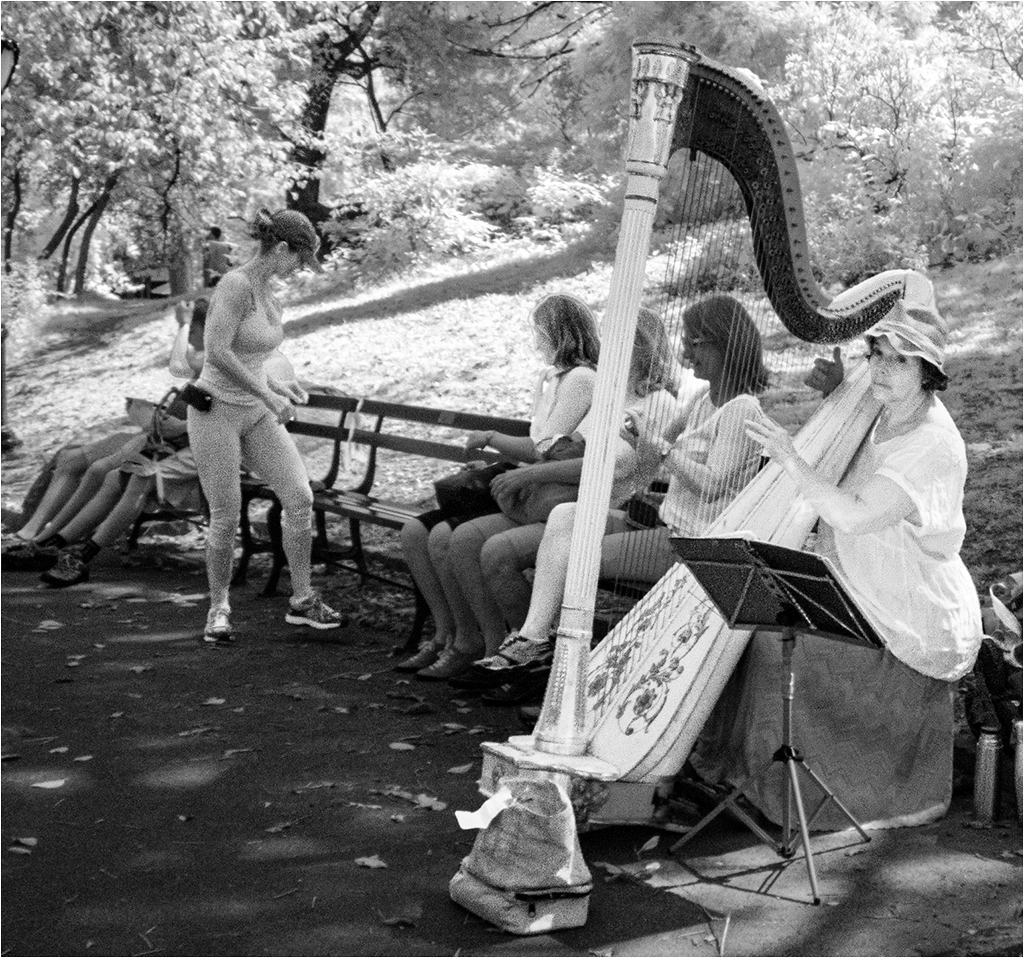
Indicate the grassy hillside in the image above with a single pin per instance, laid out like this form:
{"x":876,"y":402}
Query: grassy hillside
{"x":458,"y":337}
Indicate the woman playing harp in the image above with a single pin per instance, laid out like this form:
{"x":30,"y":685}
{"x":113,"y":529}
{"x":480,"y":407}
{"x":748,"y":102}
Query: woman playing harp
{"x":877,"y":726}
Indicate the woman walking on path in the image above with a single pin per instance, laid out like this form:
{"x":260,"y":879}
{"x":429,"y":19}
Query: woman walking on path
{"x":244,"y":419}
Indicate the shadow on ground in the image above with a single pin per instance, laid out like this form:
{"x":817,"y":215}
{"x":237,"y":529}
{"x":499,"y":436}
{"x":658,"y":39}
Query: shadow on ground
{"x":165,"y":797}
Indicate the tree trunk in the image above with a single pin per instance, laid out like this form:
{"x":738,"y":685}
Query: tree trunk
{"x":181,"y":276}
{"x":69,"y":217}
{"x":331,"y":60}
{"x":93,"y":221}
{"x":12,"y":215}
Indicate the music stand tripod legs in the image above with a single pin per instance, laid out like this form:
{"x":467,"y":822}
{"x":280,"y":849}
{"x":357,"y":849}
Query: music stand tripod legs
{"x":790,"y":756}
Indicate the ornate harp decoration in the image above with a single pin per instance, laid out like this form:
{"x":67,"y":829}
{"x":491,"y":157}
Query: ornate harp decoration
{"x":619,"y":721}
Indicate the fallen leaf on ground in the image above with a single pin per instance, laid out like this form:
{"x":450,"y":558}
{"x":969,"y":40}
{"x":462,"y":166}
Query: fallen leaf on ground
{"x":53,"y":783}
{"x":460,"y":769}
{"x":371,"y":861}
{"x":650,"y":844}
{"x":420,"y":708}
{"x":405,"y":917}
{"x":199,"y":730}
{"x":279,"y":827}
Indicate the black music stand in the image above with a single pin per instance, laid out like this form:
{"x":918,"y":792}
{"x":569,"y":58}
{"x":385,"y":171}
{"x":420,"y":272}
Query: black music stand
{"x":775,"y":589}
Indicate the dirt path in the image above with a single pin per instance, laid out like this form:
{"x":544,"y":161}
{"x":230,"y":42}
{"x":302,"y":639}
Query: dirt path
{"x":216,"y":802}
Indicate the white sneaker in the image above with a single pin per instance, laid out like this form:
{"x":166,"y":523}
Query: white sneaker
{"x":218,"y":627}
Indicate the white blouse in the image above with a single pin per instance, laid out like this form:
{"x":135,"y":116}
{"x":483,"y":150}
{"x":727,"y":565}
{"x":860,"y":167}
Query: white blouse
{"x":909,"y":578}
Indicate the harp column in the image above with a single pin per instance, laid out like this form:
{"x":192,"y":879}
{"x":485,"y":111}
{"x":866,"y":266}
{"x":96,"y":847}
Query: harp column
{"x":659,"y":76}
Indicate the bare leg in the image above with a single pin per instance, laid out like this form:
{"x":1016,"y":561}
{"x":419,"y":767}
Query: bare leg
{"x":415,"y":549}
{"x":70,"y":468}
{"x":549,"y":579}
{"x":95,"y":510}
{"x":463,"y":567}
{"x":504,"y":559}
{"x":91,"y":482}
{"x":467,"y":637}
{"x":128,"y":508}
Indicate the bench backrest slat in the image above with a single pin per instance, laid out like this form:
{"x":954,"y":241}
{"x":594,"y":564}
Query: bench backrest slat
{"x":386,"y":431}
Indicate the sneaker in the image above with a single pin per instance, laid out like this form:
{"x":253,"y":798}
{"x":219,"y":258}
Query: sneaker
{"x":218,"y":627}
{"x":313,"y":612}
{"x":450,"y":664}
{"x":70,"y":569}
{"x":427,"y":655}
{"x":518,"y":652}
{"x":28,"y":557}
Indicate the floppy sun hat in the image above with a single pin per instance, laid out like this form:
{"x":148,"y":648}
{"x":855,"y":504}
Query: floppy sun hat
{"x":297,"y":231}
{"x":913,"y":331}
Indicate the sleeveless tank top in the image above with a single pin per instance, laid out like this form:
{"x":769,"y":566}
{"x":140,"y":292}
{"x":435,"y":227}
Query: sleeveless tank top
{"x":258,"y":335}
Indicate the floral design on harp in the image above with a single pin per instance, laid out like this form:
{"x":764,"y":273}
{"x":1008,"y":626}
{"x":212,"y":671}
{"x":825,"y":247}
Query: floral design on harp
{"x":643,"y":705}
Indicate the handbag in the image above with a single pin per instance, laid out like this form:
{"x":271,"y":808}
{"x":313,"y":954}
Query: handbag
{"x":467,"y":493}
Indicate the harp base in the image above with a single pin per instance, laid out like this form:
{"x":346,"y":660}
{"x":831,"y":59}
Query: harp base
{"x":593,"y":786}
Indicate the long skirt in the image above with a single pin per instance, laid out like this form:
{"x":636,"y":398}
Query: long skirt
{"x":879,"y":734}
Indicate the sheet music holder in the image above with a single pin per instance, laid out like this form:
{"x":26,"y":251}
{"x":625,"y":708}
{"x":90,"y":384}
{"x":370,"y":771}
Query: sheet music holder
{"x":771,"y":588}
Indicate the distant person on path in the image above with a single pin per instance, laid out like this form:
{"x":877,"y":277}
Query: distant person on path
{"x":878,"y":726}
{"x":216,"y":257}
{"x":243,"y":421}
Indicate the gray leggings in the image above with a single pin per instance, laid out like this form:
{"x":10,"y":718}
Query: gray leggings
{"x":222,"y":439}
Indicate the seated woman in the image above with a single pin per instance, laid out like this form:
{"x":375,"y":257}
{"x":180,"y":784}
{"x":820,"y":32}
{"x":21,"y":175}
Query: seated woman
{"x":708,"y":457}
{"x":565,"y":334}
{"x":106,"y":503}
{"x":876,"y":726}
{"x":658,"y":392}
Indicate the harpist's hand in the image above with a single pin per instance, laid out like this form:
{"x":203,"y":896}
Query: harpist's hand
{"x":775,"y":440}
{"x":826,"y":374}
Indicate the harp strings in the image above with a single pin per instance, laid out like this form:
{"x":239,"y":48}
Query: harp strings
{"x":707,"y":253}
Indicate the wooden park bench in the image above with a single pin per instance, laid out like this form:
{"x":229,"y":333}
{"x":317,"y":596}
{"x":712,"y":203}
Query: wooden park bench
{"x":344,"y":422}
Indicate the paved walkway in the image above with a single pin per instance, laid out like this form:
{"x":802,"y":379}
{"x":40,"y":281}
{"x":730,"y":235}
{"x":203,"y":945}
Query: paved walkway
{"x":164,"y":797}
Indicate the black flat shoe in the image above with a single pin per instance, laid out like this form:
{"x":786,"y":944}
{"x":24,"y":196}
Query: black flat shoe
{"x":525,"y":688}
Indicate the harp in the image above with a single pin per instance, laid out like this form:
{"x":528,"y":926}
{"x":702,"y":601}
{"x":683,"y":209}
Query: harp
{"x":619,"y":721}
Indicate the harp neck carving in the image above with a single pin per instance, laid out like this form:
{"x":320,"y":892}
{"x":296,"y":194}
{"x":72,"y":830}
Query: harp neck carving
{"x":724,"y":115}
